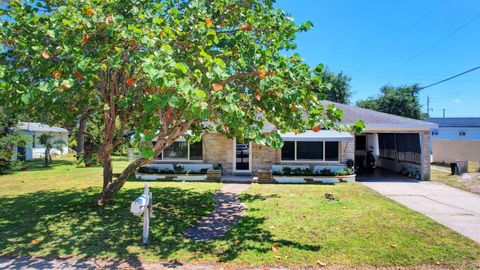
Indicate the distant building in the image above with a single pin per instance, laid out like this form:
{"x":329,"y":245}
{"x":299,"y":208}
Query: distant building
{"x":34,"y":149}
{"x":456,"y":138}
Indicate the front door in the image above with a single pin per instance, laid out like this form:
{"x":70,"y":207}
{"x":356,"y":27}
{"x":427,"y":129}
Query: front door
{"x":242,"y":156}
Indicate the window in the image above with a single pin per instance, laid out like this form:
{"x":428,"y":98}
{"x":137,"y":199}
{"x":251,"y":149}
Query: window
{"x":196,"y":150}
{"x":310,"y":150}
{"x":331,"y":151}
{"x":182,"y":150}
{"x":33,"y":141}
{"x":288,"y":151}
{"x":317,"y":151}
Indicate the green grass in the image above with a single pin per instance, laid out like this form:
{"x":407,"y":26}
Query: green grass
{"x":454,"y":180}
{"x":49,"y":212}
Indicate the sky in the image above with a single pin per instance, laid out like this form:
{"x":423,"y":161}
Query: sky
{"x":378,"y":42}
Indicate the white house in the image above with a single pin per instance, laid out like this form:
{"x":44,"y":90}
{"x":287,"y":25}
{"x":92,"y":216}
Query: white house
{"x":456,"y":138}
{"x":33,"y":148}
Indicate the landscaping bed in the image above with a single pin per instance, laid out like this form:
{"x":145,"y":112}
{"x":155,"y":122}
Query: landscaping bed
{"x":174,"y":172}
{"x":306,"y":174}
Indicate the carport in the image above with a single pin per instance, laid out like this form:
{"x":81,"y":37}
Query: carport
{"x":399,"y":144}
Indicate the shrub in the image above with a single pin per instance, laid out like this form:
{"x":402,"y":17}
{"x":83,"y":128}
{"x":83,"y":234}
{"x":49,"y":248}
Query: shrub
{"x":326,"y":172}
{"x":287,"y":170}
{"x":344,"y":172}
{"x":179,"y":169}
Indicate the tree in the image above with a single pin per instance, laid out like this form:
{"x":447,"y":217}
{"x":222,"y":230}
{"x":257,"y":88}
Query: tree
{"x":336,"y":87}
{"x":161,"y":68}
{"x":9,"y":139}
{"x":49,"y":141}
{"x":402,"y":101}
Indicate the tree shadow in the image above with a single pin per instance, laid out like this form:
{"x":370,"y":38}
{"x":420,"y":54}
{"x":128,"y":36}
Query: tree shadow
{"x":248,"y":234}
{"x":66,"y":223}
{"x":37,"y":165}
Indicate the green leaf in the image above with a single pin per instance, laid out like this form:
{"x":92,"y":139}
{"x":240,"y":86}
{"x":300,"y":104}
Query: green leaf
{"x":319,"y":68}
{"x":200,"y":94}
{"x":220,"y":62}
{"x":26,"y":98}
{"x":147,"y":152}
{"x":166,"y":48}
{"x":182,"y":67}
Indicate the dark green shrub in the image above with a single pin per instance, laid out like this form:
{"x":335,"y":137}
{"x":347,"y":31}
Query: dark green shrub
{"x":287,"y":171}
{"x":326,"y":172}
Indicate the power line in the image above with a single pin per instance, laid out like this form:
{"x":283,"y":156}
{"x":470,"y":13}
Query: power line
{"x":434,"y":44}
{"x":449,"y":78}
{"x":402,"y":35}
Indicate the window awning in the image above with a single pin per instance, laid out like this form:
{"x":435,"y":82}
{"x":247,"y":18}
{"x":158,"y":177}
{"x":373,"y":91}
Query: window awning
{"x":322,"y":135}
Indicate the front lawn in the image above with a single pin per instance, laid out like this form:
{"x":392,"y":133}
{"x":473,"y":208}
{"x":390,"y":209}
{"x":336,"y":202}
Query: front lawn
{"x":48,"y":212}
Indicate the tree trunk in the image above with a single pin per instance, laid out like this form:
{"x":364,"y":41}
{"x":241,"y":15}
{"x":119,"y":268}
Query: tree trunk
{"x":82,"y":126}
{"x":112,"y":187}
{"x":47,"y":151}
{"x":107,"y":171}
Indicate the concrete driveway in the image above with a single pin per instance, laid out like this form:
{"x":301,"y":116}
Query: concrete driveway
{"x":457,"y":209}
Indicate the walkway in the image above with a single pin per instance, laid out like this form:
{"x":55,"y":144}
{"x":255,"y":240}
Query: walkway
{"x":457,"y":209}
{"x":228,"y":211}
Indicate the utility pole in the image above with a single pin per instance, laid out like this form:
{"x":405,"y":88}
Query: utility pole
{"x":443,"y":113}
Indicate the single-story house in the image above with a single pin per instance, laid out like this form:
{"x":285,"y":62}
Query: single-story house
{"x":456,"y":138}
{"x":34,"y":149}
{"x":398,"y":144}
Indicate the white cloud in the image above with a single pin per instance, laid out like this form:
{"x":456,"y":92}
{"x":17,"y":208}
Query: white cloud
{"x":456,"y":100}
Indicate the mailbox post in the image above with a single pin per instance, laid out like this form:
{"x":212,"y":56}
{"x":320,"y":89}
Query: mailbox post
{"x":143,"y":205}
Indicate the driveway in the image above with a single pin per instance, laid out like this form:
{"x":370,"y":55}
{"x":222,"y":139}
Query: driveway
{"x":457,"y":209}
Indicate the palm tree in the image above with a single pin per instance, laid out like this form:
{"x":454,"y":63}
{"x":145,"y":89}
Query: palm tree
{"x":48,"y":140}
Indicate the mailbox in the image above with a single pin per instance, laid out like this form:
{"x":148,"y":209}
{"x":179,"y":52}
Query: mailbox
{"x":140,"y":204}
{"x":143,"y":205}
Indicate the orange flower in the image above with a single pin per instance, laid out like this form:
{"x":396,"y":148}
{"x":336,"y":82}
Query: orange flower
{"x":149,"y":91}
{"x":85,"y":38}
{"x":57,"y":74}
{"x":247,"y":27}
{"x":262,"y":74}
{"x":45,"y":55}
{"x":209,"y":22}
{"x":130,"y":82}
{"x":146,"y":131}
{"x":78,"y":75}
{"x":217,"y":87}
{"x":317,"y":128}
{"x":90,"y":12}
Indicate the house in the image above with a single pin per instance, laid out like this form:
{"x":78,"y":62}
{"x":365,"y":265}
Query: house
{"x":34,"y":149}
{"x":398,"y":143}
{"x":456,"y":138}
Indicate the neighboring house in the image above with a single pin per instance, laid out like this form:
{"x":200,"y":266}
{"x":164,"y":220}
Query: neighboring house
{"x":456,"y":138}
{"x":33,"y":148}
{"x":398,"y":143}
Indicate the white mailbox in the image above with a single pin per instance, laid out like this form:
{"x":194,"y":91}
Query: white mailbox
{"x":143,"y":205}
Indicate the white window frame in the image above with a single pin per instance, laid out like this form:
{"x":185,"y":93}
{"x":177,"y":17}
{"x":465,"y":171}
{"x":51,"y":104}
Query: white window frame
{"x":188,"y":154}
{"x":296,"y":160}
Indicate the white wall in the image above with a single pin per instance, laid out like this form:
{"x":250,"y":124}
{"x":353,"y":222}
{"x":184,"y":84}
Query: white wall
{"x":39,"y":150}
{"x":451,"y":133}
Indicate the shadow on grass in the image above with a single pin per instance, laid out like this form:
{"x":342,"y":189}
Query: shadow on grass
{"x":37,"y":165}
{"x":66,"y":223}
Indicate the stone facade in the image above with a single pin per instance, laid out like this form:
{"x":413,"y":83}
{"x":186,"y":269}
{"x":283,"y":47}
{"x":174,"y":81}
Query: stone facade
{"x":217,"y":148}
{"x":425,"y":144}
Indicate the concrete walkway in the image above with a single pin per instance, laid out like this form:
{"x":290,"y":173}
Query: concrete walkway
{"x":228,"y":211}
{"x":457,"y":209}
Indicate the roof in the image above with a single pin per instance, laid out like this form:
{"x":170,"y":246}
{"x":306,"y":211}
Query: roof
{"x":456,"y":121}
{"x":377,"y":121}
{"x":39,"y":127}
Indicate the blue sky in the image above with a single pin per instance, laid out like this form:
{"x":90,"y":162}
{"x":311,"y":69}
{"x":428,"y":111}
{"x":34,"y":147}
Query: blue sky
{"x":393,"y":42}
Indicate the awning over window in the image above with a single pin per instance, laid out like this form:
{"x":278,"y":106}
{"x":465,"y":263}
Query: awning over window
{"x":322,"y":135}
